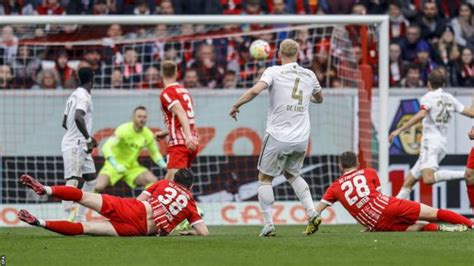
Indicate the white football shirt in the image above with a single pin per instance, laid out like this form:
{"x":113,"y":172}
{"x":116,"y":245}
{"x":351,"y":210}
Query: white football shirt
{"x":80,"y":99}
{"x":440,"y":106}
{"x":290,"y":87}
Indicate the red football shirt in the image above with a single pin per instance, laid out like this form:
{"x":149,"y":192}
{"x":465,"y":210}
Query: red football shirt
{"x":171,"y":204}
{"x":358,"y":192}
{"x":169,"y":96}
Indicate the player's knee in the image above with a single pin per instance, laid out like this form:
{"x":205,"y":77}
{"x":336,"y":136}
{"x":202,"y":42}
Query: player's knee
{"x":429,"y":179}
{"x":264,"y":178}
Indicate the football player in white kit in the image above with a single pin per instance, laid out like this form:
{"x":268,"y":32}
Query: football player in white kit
{"x":78,"y":143}
{"x":437,"y":108}
{"x":291,"y":89}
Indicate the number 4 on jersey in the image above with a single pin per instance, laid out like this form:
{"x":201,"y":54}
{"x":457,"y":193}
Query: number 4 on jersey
{"x":297,"y":94}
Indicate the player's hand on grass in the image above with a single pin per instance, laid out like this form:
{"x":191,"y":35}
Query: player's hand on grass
{"x":233,"y":112}
{"x":91,"y":144}
{"x":192,"y":143}
{"x":161,"y":134}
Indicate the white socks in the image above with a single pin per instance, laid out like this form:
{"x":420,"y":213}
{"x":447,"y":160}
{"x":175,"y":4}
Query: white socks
{"x":266,"y":200}
{"x":88,"y":186}
{"x":67,"y":204}
{"x":303,"y":193}
{"x":404,"y":193}
{"x":445,"y":175}
{"x":49,"y":190}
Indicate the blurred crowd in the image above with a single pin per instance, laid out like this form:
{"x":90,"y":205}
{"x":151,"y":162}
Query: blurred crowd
{"x":424,"y":35}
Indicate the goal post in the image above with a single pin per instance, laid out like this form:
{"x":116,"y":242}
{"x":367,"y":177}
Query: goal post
{"x":207,"y":167}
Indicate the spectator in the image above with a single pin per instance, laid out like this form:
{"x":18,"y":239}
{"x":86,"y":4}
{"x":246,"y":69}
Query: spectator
{"x":48,"y":79}
{"x":100,"y":7}
{"x":253,"y":7}
{"x":142,"y":8}
{"x":116,"y":79}
{"x":166,"y":8}
{"x":306,"y":47}
{"x":375,"y":7}
{"x":465,"y":69}
{"x":5,"y":77}
{"x":67,"y":75}
{"x":25,"y":68}
{"x":231,"y":7}
{"x":463,"y":26}
{"x":9,"y":43}
{"x":213,"y":7}
{"x":410,"y":43}
{"x":410,"y":9}
{"x":209,"y":73}
{"x":425,"y":62}
{"x":431,"y":25}
{"x":191,"y":80}
{"x":14,"y":7}
{"x":279,"y":7}
{"x":337,"y":6}
{"x":412,"y":78}
{"x":50,"y":7}
{"x":93,"y":59}
{"x":447,"y":50}
{"x":151,"y":79}
{"x":230,"y":79}
{"x":397,"y":66}
{"x":398,"y":22}
{"x":359,"y":9}
{"x":131,"y":69}
{"x":336,"y":83}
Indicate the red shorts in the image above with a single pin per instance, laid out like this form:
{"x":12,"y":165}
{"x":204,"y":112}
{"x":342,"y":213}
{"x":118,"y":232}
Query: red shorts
{"x":180,"y":157}
{"x":127,"y":216}
{"x":470,"y":159}
{"x":398,"y":215}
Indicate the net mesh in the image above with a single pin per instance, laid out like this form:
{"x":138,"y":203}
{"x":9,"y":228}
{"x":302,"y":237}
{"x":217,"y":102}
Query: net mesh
{"x":209,"y":57}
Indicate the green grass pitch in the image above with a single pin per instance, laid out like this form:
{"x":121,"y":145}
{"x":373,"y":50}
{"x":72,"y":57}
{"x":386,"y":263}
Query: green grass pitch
{"x":239,"y":245}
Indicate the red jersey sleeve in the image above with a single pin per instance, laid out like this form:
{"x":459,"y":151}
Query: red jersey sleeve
{"x":169,"y":98}
{"x":194,"y":218}
{"x":330,"y":196}
{"x":156,"y":185}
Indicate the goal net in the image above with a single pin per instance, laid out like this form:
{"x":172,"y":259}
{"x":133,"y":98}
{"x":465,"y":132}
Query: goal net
{"x":39,"y":65}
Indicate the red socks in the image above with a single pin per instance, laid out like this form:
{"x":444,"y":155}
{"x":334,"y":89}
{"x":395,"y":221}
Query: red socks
{"x":452,"y":218}
{"x":430,"y":227}
{"x":66,"y":193}
{"x":470,"y":194}
{"x":65,"y":228}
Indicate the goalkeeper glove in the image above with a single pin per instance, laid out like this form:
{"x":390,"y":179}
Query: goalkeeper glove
{"x":162,"y":163}
{"x":117,"y":166}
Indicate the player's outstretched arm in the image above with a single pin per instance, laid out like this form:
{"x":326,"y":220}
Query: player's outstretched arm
{"x":320,"y":207}
{"x":81,"y":125}
{"x":191,"y":141}
{"x":201,"y":229}
{"x":109,"y":155}
{"x":248,"y":95}
{"x":144,"y":196}
{"x":415,"y":119}
{"x":469,"y":112}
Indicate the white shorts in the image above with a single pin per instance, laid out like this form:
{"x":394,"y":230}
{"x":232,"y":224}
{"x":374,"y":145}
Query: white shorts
{"x":432,"y":152}
{"x":277,"y":156}
{"x":77,"y":163}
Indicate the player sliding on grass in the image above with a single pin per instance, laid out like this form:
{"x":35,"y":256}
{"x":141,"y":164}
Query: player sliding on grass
{"x":178,"y":112}
{"x":437,"y":107}
{"x":122,"y":151}
{"x":156,"y":211}
{"x":78,"y":143}
{"x":358,"y":190}
{"x":291,"y":88}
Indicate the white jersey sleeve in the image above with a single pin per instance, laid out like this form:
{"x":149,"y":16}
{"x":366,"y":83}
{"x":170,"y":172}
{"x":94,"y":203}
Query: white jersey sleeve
{"x":83,"y":101}
{"x":458,"y":106}
{"x":315,"y":83}
{"x":426,"y":101}
{"x":267,"y":76}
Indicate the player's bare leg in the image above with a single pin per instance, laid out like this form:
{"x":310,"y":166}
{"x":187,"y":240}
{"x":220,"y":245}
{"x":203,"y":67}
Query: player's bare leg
{"x":303,"y":193}
{"x":431,"y":214}
{"x":170,"y":173}
{"x":146,"y":178}
{"x":407,"y":187}
{"x":431,"y":176}
{"x":266,"y":199}
{"x":102,"y":182}
{"x":428,"y":176}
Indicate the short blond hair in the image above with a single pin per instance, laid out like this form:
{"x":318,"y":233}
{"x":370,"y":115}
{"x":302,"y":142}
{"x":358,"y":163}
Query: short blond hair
{"x":168,"y":69}
{"x":289,"y":48}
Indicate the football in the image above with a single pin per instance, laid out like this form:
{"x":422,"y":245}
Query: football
{"x":260,"y":49}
